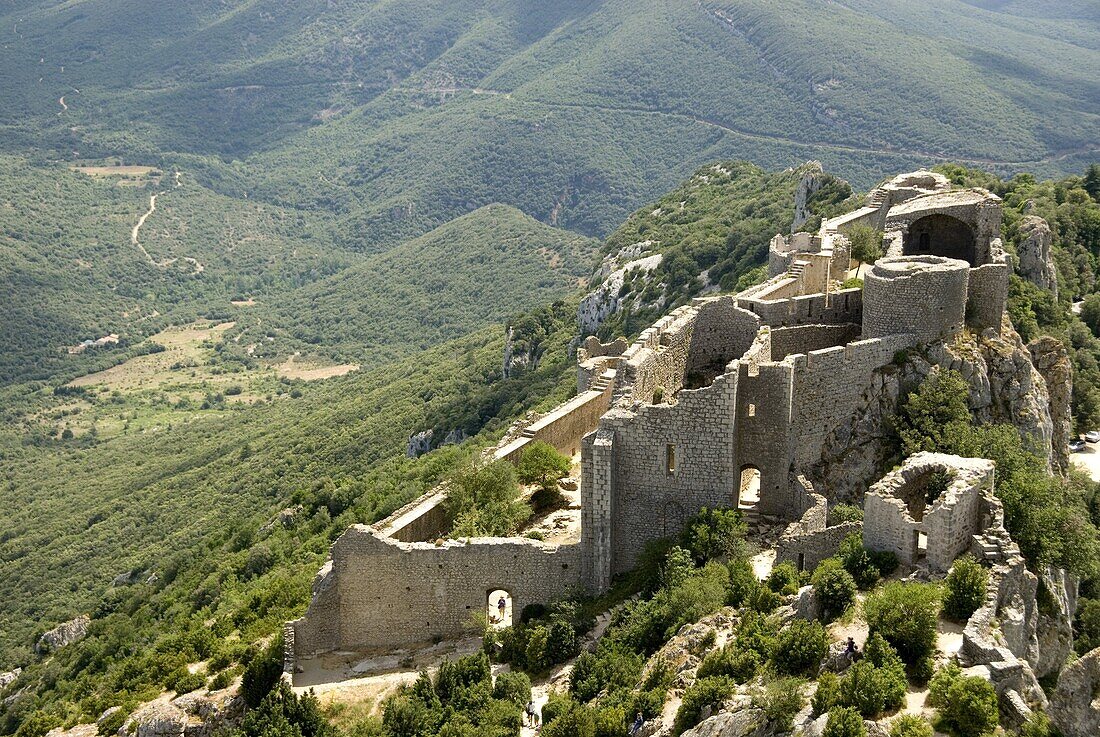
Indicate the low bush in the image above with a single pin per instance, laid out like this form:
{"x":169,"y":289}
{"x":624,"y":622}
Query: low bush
{"x":784,"y":579}
{"x":732,"y":661}
{"x":834,"y":587}
{"x":781,"y":700}
{"x":911,"y":725}
{"x":827,"y":694}
{"x":842,"y":513}
{"x":844,"y":722}
{"x":513,"y":686}
{"x":800,"y":647}
{"x":965,"y":589}
{"x":699,"y":695}
{"x":970,"y":708}
{"x":905,"y":614}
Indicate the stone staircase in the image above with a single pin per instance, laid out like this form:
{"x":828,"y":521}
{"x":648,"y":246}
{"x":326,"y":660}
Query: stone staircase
{"x":877,"y":198}
{"x":797,"y":267}
{"x":993,"y":546}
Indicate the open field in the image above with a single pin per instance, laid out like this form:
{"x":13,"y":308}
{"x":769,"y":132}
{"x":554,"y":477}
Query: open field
{"x":183,"y":349}
{"x":117,"y":171}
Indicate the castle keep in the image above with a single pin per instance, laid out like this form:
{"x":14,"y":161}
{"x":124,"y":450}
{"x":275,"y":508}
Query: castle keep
{"x":726,"y":402}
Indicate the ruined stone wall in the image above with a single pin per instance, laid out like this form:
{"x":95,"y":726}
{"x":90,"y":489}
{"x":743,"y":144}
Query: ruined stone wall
{"x":650,"y":499}
{"x":894,"y":512}
{"x":829,"y":385}
{"x":722,"y":332}
{"x":380,"y":594}
{"x":763,"y":433}
{"x":806,"y":338}
{"x":806,"y":551}
{"x":987,"y":294}
{"x":565,"y":425}
{"x":843,"y":306}
{"x":659,"y":357}
{"x":921,"y":295}
{"x":598,"y":506}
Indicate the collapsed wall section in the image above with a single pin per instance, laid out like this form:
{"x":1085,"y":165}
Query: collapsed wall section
{"x":381,"y":594}
{"x":909,"y":514}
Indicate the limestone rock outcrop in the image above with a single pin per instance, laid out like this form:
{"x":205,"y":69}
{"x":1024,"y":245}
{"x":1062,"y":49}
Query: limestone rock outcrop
{"x":1033,"y":250}
{"x":196,"y":714}
{"x":813,"y":179}
{"x":743,"y":723}
{"x":605,"y":300}
{"x":419,"y":444}
{"x":63,"y":634}
{"x":1051,"y":359}
{"x":8,"y":677}
{"x":1074,"y":707}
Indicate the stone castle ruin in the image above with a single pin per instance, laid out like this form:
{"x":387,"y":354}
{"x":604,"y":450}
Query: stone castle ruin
{"x":726,"y":402}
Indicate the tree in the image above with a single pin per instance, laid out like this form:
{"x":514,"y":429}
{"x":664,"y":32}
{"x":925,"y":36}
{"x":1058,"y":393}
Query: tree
{"x":939,"y":403}
{"x":827,"y":694}
{"x":1092,"y":181}
{"x":540,"y":463}
{"x":844,"y":722}
{"x":1090,"y":313}
{"x":781,"y":700}
{"x":284,"y":714}
{"x":715,"y":534}
{"x":483,"y":500}
{"x":866,"y":244}
{"x":262,"y":673}
{"x":965,"y":589}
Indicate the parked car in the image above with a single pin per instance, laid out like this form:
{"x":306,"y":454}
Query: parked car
{"x":1093,"y":436}
{"x":1076,"y":445}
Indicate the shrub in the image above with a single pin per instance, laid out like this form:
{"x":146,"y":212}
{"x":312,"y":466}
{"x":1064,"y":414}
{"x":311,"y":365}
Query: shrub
{"x":784,"y":579}
{"x":911,"y":725}
{"x":858,"y":561}
{"x":800,"y":647}
{"x":763,"y":600}
{"x":743,"y":582}
{"x":704,"y":692}
{"x":757,"y":633}
{"x":556,"y":705}
{"x":905,"y":614}
{"x":834,"y":587}
{"x":781,"y":700}
{"x":732,"y":661}
{"x":971,"y":707}
{"x":842,"y":513}
{"x":965,"y":589}
{"x":941,"y":681}
{"x":844,"y":722}
{"x":514,"y":687}
{"x":678,"y":567}
{"x":283,"y":713}
{"x":1037,"y":725}
{"x":827,"y":694}
{"x":37,"y":724}
{"x":610,"y":722}
{"x":577,"y":722}
{"x":262,"y":672}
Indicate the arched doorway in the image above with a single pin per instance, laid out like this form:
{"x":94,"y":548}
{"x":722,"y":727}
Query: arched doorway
{"x":940,"y":235}
{"x":748,"y":489}
{"x":499,"y":608}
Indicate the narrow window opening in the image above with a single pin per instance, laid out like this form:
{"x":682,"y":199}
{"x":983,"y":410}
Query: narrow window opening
{"x":670,"y":459}
{"x":752,"y":410}
{"x":801,"y":562}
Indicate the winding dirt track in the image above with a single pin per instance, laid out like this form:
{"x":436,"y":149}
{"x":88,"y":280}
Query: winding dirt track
{"x":136,"y":230}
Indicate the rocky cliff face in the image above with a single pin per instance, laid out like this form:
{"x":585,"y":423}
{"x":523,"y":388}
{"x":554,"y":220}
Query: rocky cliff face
{"x":1004,"y":387}
{"x":606,"y":299}
{"x":813,"y":179}
{"x":63,"y":634}
{"x":1052,"y":361}
{"x":1033,"y":250}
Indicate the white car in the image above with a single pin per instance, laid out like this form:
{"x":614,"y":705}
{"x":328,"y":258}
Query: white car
{"x":1093,"y":436}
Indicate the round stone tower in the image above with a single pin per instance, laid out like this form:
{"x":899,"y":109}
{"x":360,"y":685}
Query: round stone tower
{"x":921,"y":295}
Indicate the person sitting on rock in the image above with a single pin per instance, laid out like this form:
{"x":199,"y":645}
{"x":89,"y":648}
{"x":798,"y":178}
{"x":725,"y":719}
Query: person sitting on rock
{"x":852,"y":650}
{"x":639,"y":722}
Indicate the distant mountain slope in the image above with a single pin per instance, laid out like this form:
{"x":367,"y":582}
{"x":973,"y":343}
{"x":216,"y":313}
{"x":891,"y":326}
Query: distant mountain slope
{"x":399,"y":116}
{"x":479,"y":269}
